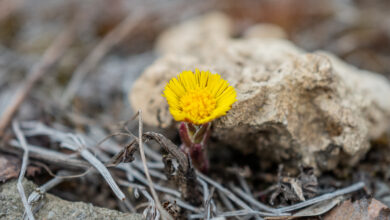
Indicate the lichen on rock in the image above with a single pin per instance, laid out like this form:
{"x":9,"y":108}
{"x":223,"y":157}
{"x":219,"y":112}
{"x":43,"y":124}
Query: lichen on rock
{"x":309,"y":108}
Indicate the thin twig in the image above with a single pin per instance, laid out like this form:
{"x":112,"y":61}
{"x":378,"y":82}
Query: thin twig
{"x":243,"y":212}
{"x":205,"y":190}
{"x":77,"y":144}
{"x":251,"y":200}
{"x":208,"y":204}
{"x":129,"y":206}
{"x":154,"y":173}
{"x":225,"y":200}
{"x":62,"y":177}
{"x":23,"y":142}
{"x":49,"y":156}
{"x":151,"y":206}
{"x":183,"y":204}
{"x":349,"y":189}
{"x":134,"y":173}
{"x":229,"y":194}
{"x":49,"y":59}
{"x":146,"y":169}
{"x":243,"y":183}
{"x":37,"y":194}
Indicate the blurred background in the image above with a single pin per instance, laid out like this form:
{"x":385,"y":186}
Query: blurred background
{"x":357,"y":31}
{"x":93,"y":50}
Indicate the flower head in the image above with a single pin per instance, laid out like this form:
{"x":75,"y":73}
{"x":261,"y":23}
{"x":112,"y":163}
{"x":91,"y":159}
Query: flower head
{"x":199,"y":97}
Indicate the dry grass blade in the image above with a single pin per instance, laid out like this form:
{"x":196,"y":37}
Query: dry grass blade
{"x":23,"y":142}
{"x":208,"y":204}
{"x":48,"y":156}
{"x":50,"y":57}
{"x":232,"y":196}
{"x":235,"y":213}
{"x":137,"y":175}
{"x":79,"y":145}
{"x":254,"y":202}
{"x":229,"y":194}
{"x":349,"y":189}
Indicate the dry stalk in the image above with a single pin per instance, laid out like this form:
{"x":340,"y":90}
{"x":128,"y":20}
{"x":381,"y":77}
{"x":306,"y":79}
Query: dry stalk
{"x":150,"y":182}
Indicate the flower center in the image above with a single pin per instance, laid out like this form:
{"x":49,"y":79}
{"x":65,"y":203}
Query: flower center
{"x":198,"y":104}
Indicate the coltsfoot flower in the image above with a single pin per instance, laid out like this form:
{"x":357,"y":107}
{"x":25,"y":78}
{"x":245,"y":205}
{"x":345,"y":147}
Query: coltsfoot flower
{"x":199,"y":97}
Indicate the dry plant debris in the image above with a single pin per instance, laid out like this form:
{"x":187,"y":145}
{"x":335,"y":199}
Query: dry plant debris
{"x":290,"y":189}
{"x":369,"y":209}
{"x":9,"y":167}
{"x":184,"y":176}
{"x":74,"y":138}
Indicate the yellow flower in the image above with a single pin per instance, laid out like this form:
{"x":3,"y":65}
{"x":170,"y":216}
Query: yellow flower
{"x":199,"y":98}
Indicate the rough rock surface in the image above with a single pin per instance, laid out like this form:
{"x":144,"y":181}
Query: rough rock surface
{"x":308,"y":108}
{"x":53,"y":207}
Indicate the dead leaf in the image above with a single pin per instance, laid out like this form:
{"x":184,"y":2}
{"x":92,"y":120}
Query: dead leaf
{"x":295,"y":189}
{"x":362,"y":209}
{"x":296,"y":185}
{"x":9,"y":167}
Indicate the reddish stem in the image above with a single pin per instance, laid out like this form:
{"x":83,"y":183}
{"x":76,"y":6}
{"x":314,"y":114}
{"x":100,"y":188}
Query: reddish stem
{"x":194,"y":139}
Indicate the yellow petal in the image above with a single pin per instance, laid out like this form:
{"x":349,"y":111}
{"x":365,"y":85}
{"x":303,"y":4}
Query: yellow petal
{"x":199,"y":97}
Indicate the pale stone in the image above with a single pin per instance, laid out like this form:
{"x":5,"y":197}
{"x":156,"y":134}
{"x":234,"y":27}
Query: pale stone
{"x":52,"y":207}
{"x":312,"y":109}
{"x":265,"y":30}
